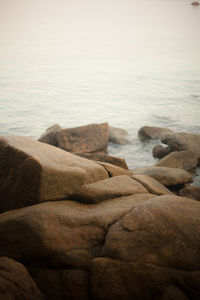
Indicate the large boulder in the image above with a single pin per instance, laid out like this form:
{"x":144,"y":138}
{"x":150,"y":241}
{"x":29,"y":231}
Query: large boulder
{"x":190,"y":191}
{"x":61,"y":234}
{"x":164,"y":231}
{"x":49,"y":137}
{"x":120,"y":162}
{"x":15,"y":282}
{"x":152,"y":185}
{"x":88,"y":139}
{"x":164,"y":175}
{"x":186,"y":160}
{"x":183,"y":141}
{"x":117,"y":186}
{"x":32,"y":172}
{"x":148,"y":132}
{"x":118,"y":136}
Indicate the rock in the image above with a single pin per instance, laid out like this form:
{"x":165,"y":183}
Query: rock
{"x":114,"y":170}
{"x":15,"y":282}
{"x":87,"y":139}
{"x":160,"y":151}
{"x":147,"y":132}
{"x":32,"y":172}
{"x":102,"y":157}
{"x":172,"y":292}
{"x":152,"y":185}
{"x":117,"y":186}
{"x":61,"y":234}
{"x":163,"y":231}
{"x":186,"y":160}
{"x":61,"y":284}
{"x":164,"y":175}
{"x":183,"y":141}
{"x":118,"y":136}
{"x":190,"y":191}
{"x":48,"y":136}
{"x":195,"y":3}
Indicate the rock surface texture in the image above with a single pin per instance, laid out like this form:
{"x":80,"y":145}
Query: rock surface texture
{"x":148,"y":132}
{"x":190,"y":191}
{"x":32,"y":172}
{"x":15,"y":282}
{"x":88,"y":139}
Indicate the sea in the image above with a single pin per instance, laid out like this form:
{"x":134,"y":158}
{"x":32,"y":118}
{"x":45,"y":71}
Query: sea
{"x":130,"y":63}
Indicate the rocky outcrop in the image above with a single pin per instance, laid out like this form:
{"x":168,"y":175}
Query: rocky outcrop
{"x":32,"y":172}
{"x":109,"y":188}
{"x":15,"y":282}
{"x":152,"y":185}
{"x":164,"y":175}
{"x":118,"y":136}
{"x":148,"y":132}
{"x":186,"y":160}
{"x":61,"y":234}
{"x":160,"y":151}
{"x":190,"y":191}
{"x":102,"y":157}
{"x":49,"y":137}
{"x":183,"y":141}
{"x":87,"y":139}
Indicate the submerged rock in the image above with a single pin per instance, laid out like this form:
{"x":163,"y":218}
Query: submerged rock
{"x":15,"y":282}
{"x":87,"y":139}
{"x":32,"y":172}
{"x":148,"y":132}
{"x":164,"y":175}
{"x":118,"y":136}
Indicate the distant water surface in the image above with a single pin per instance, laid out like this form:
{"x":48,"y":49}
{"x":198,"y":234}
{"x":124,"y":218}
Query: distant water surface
{"x":130,"y":63}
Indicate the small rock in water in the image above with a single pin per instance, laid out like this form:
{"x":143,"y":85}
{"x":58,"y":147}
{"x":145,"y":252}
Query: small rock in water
{"x":195,"y":3}
{"x":118,"y":136}
{"x":160,"y":151}
{"x":148,"y":132}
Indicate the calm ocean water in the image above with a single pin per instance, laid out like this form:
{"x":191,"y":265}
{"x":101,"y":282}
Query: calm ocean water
{"x":129,"y":63}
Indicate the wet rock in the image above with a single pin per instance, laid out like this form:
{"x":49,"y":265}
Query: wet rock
{"x":190,"y":191}
{"x":117,"y":186}
{"x":163,"y":231}
{"x":152,"y":185}
{"x":61,"y":234}
{"x":114,"y":170}
{"x":48,"y":136}
{"x":164,"y":175}
{"x":61,"y":284}
{"x":118,"y":136}
{"x":186,"y":160}
{"x":148,"y":132}
{"x":183,"y":141}
{"x":160,"y":151}
{"x":87,"y":139}
{"x":102,"y":157}
{"x":15,"y":282}
{"x":32,"y":172}
{"x":195,"y":3}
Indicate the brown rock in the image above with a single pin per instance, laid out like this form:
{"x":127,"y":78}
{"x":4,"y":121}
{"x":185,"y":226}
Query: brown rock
{"x":164,"y":175}
{"x":186,"y":160}
{"x":190,"y":191}
{"x":88,"y":139}
{"x":160,"y":151}
{"x":195,"y":3}
{"x":172,"y":292}
{"x":48,"y":136}
{"x":183,"y":142}
{"x":113,"y":279}
{"x":117,"y":186}
{"x":32,"y":172}
{"x":63,"y":233}
{"x":164,"y":231}
{"x":15,"y":282}
{"x":114,"y":170}
{"x":152,"y":185}
{"x":148,"y":132}
{"x":118,"y":136}
{"x":61,"y":284}
{"x":102,"y":157}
